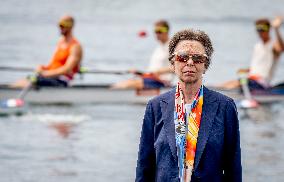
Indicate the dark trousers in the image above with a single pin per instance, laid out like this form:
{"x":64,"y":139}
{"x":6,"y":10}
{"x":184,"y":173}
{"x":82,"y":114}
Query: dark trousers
{"x":50,"y":82}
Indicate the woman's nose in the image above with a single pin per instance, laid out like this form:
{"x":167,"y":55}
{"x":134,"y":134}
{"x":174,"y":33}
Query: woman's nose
{"x":189,"y":62}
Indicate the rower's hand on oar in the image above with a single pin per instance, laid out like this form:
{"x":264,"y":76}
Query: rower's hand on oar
{"x":140,"y":73}
{"x":135,"y":72}
{"x":42,"y":71}
{"x":39,"y":69}
{"x":32,"y":78}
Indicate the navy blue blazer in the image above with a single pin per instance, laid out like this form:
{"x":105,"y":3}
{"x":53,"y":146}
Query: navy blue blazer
{"x":218,"y":153}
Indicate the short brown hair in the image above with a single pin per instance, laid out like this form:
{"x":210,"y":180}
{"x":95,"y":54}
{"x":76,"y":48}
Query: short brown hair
{"x":191,"y":34}
{"x":262,"y":21}
{"x":163,"y":23}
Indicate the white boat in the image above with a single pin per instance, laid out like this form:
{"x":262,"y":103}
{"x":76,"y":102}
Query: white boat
{"x":102,"y":94}
{"x":82,"y":94}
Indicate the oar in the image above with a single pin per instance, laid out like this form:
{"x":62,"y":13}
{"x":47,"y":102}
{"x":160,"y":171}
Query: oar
{"x":83,"y":70}
{"x":18,"y":102}
{"x":32,"y":80}
{"x":9,"y":68}
{"x":248,"y":102}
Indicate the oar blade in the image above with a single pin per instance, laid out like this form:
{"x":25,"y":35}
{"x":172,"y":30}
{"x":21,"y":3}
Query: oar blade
{"x":12,"y":107}
{"x":248,"y":104}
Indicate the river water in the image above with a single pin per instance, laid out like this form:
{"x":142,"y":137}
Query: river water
{"x":99,"y":142}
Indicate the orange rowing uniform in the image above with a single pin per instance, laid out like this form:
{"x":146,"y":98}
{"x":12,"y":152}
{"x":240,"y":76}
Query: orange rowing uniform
{"x":60,"y":57}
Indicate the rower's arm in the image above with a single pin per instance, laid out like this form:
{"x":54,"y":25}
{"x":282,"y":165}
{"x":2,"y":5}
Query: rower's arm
{"x":50,"y":63}
{"x":279,"y":44}
{"x":72,"y":61}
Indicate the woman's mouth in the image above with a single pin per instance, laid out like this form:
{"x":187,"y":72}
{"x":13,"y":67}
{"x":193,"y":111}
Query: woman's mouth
{"x":188,"y":72}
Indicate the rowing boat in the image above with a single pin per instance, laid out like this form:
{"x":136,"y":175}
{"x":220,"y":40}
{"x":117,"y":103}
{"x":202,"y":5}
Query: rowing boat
{"x":81,"y":94}
{"x":97,"y":94}
{"x":262,"y":97}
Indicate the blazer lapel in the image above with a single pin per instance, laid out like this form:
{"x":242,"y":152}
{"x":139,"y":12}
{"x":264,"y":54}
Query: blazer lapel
{"x":167,"y":107}
{"x":209,"y":110}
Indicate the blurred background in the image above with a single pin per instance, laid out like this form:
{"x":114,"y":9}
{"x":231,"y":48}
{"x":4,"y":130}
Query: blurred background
{"x":99,"y":142}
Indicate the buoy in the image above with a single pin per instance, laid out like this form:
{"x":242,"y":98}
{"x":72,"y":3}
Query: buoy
{"x":142,"y":34}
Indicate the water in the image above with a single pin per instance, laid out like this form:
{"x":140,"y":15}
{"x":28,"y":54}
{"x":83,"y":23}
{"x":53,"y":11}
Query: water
{"x":66,"y":143}
{"x":262,"y":145}
{"x":100,"y":142}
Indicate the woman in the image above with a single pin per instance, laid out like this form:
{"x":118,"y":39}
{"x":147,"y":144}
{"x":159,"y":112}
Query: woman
{"x":190,"y":133}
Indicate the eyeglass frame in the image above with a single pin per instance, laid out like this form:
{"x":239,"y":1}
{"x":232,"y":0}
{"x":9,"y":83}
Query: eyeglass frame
{"x":190,"y":56}
{"x":160,"y":29}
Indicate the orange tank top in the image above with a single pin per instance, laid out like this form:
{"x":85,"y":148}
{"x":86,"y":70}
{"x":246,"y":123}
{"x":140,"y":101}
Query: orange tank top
{"x":60,"y":57}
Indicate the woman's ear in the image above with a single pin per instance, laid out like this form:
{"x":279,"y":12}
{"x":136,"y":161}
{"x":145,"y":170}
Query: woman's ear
{"x":204,"y":71}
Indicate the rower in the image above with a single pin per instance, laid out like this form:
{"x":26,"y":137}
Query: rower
{"x":159,"y":73}
{"x":64,"y":63}
{"x":265,"y":56}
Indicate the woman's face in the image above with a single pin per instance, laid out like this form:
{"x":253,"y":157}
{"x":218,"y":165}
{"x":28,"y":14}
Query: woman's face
{"x":191,"y":71}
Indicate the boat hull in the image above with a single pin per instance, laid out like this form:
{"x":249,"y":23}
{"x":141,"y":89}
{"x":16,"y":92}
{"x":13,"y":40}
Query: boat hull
{"x":99,"y":94}
{"x":81,"y":94}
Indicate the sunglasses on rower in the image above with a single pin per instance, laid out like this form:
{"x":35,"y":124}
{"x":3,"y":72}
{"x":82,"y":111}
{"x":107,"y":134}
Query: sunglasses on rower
{"x":262,"y":28}
{"x":184,"y":57}
{"x":159,"y":30}
{"x":65,"y":24}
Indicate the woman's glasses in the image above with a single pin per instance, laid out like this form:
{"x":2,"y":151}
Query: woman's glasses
{"x":184,"y":57}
